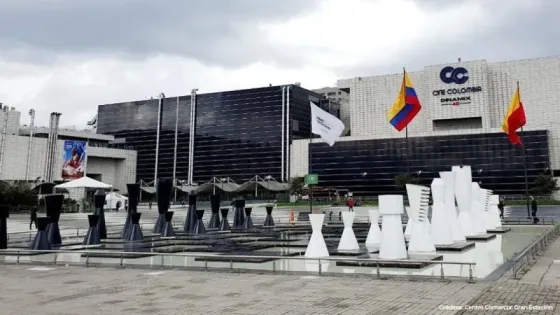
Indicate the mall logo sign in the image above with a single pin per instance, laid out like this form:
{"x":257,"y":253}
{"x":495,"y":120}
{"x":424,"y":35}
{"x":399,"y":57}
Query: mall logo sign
{"x":455,"y":96}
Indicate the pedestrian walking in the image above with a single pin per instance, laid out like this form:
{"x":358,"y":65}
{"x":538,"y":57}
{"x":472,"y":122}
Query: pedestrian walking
{"x":33,"y":217}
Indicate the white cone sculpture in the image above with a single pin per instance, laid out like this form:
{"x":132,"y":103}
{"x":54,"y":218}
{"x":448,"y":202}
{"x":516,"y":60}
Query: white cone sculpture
{"x":463,"y":187}
{"x":484,"y":197}
{"x":477,"y":210}
{"x":441,"y":230}
{"x":316,"y":247}
{"x":392,"y":238}
{"x":374,"y":235}
{"x":419,"y":199}
{"x":348,"y":239}
{"x":494,"y":211}
{"x":409,"y":223}
{"x":450,"y":208}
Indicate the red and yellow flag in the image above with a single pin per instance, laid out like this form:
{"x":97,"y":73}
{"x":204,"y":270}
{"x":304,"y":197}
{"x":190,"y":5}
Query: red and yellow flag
{"x":515,"y":118}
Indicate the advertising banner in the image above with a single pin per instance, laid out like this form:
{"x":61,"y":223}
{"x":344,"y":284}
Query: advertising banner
{"x":74,"y":159}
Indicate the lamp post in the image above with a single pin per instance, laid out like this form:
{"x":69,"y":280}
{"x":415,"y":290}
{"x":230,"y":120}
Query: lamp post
{"x":222,"y":180}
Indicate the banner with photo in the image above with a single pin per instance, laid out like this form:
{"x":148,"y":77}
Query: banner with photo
{"x":74,"y":159}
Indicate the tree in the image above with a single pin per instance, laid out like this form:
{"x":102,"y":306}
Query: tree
{"x":402,"y":179}
{"x":297,"y":186}
{"x":18,"y":194}
{"x":545,"y":185}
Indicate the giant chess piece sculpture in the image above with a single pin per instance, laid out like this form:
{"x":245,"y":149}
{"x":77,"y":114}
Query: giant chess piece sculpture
{"x":99,"y":203}
{"x":215,"y":201}
{"x":168,"y":227}
{"x":41,"y":241}
{"x":190,"y":220}
{"x":163,"y":194}
{"x":53,"y":204}
{"x":92,"y":235}
{"x":348,"y":241}
{"x":392,"y":238}
{"x":477,"y":210}
{"x":317,"y":247}
{"x":224,"y":224}
{"x":374,"y":235}
{"x":4,"y":214}
{"x":269,"y":221}
{"x":248,"y":222}
{"x":441,"y":230}
{"x":450,"y":208}
{"x":420,"y":238}
{"x":494,"y":211}
{"x":238,"y":217}
{"x":463,"y":189}
{"x":133,"y":194}
{"x":199,"y":225}
{"x":135,"y":230}
{"x":484,"y":198}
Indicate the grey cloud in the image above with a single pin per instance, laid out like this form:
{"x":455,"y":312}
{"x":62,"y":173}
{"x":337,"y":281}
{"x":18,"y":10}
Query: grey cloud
{"x":530,"y":33}
{"x":213,"y":31}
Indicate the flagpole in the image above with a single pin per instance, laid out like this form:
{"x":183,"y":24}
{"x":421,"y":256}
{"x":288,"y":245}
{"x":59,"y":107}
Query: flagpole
{"x":524,"y":164}
{"x":406,"y":137}
{"x":310,"y":170}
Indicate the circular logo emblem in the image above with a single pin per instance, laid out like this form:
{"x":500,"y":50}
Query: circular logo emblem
{"x":457,"y":75}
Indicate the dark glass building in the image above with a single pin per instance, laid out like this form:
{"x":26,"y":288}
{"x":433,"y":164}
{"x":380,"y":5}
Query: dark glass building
{"x":369,"y":167}
{"x":236,"y":134}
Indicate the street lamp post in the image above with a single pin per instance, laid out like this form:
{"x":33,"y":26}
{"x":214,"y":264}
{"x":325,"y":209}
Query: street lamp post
{"x":268,"y":177}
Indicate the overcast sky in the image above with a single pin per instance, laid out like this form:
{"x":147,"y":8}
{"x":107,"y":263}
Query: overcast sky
{"x":72,"y":55}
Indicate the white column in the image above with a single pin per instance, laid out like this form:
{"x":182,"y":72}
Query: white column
{"x":450,"y":209}
{"x":374,"y":234}
{"x":316,"y":247}
{"x":392,"y":238}
{"x":409,"y":223}
{"x":494,"y":211}
{"x":420,"y":239}
{"x":477,"y":212}
{"x":484,"y":198}
{"x":348,"y":239}
{"x":463,"y":186}
{"x":441,"y":229}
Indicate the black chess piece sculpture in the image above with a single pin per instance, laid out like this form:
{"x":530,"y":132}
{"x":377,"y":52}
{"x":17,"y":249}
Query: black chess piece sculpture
{"x":135,"y":230}
{"x":224,"y":224}
{"x":41,"y":241}
{"x":92,"y":236}
{"x":164,"y":190}
{"x":168,"y":228}
{"x":268,"y":221}
{"x":99,"y":203}
{"x":199,"y":225}
{"x":133,"y":194}
{"x":248,"y":222}
{"x":4,"y":215}
{"x":191,"y":218}
{"x":53,"y":203}
{"x":215,"y":206}
{"x":238,"y":217}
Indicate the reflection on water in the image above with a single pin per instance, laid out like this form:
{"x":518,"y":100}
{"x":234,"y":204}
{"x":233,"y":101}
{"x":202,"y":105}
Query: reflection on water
{"x":487,"y":255}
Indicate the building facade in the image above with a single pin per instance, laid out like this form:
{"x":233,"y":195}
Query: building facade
{"x":236,"y":134}
{"x":463,"y":106}
{"x":19,"y":160}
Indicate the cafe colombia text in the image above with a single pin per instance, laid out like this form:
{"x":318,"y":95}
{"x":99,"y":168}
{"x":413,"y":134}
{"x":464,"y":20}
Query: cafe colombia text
{"x":455,"y":96}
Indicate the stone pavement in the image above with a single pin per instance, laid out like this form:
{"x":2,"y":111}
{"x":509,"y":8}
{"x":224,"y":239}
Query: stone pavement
{"x":74,"y":290}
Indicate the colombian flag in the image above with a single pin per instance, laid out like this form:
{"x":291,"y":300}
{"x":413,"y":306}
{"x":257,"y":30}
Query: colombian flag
{"x":406,"y":106}
{"x":515,"y":118}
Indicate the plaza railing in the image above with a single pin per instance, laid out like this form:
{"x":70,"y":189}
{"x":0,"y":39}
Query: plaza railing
{"x":534,"y":249}
{"x":122,"y":256}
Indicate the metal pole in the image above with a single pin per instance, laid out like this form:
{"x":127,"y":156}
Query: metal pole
{"x":283,"y":114}
{"x":86,"y":157}
{"x":175,"y":149}
{"x":288,"y":131}
{"x":525,"y":164}
{"x":310,"y":167}
{"x":160,"y":110}
{"x":30,"y":144}
{"x":4,"y":132}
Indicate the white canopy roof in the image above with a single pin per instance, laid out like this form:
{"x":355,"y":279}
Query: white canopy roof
{"x":84,"y":182}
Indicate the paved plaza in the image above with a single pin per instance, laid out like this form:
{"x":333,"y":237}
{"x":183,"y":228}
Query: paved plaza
{"x":77,"y":290}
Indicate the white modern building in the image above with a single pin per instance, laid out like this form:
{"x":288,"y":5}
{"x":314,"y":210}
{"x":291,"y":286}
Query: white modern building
{"x":19,"y":161}
{"x":459,"y":98}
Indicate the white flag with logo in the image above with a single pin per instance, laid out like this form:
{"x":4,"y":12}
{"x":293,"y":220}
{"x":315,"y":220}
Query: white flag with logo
{"x":325,"y":125}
